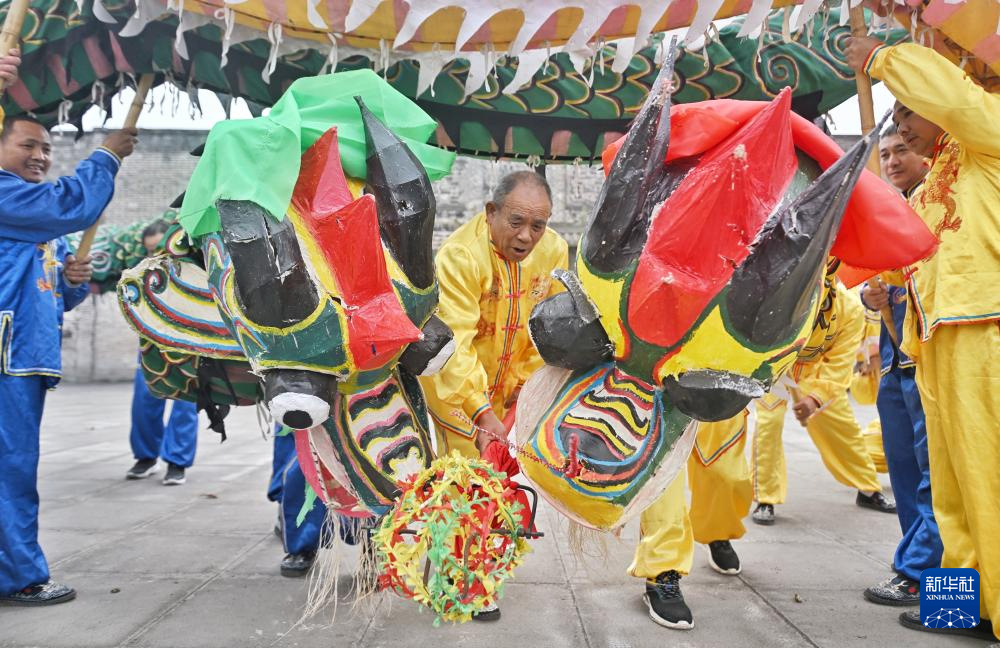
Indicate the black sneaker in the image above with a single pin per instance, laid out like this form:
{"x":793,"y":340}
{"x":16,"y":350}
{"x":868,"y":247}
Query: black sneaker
{"x":489,"y":613}
{"x":296,"y":565}
{"x":175,"y":475}
{"x":666,"y":603}
{"x":143,"y":468}
{"x":876,"y":502}
{"x":722,"y":558}
{"x":982,"y":631}
{"x":37,"y":595}
{"x":763,"y":514}
{"x":898,"y":590}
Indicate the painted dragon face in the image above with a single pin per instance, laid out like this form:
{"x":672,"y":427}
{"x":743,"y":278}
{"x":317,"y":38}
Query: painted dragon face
{"x":332,"y":306}
{"x":338,"y":288}
{"x":699,"y":280}
{"x":324,"y":314}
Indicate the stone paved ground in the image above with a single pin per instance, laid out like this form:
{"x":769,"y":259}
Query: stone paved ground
{"x":197,"y":565}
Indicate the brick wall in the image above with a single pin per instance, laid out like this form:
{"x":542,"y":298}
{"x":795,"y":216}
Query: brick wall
{"x":151,"y":178}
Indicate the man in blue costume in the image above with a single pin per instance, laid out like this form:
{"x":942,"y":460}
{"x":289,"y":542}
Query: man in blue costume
{"x":176,"y":442}
{"x":38,"y":281}
{"x":904,"y":431}
{"x":301,"y":538}
{"x":288,"y":489}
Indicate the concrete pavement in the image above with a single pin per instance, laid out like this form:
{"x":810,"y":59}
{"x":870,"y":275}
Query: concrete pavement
{"x":197,"y":565}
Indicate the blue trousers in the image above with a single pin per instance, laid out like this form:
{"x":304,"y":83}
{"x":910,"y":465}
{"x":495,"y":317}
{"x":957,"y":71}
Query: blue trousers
{"x":288,"y":489}
{"x":22,"y":563}
{"x":904,"y":436}
{"x":149,"y":438}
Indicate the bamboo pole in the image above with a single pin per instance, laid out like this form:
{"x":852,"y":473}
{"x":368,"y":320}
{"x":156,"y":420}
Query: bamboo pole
{"x":145,"y":83}
{"x":796,"y":394}
{"x":10,"y":35}
{"x":866,"y":106}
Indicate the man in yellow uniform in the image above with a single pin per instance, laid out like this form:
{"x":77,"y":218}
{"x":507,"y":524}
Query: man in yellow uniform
{"x":719,"y":478}
{"x":492,"y":271}
{"x":952,"y":326}
{"x":822,"y":374}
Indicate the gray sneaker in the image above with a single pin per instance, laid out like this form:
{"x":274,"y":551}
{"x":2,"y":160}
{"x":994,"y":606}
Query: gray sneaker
{"x":898,"y":590}
{"x":37,"y":595}
{"x":174,"y":476}
{"x":143,"y":468}
{"x":876,"y":502}
{"x":763,"y":514}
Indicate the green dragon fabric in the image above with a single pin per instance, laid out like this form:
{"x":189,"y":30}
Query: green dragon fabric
{"x":559,"y":116}
{"x":182,"y":376}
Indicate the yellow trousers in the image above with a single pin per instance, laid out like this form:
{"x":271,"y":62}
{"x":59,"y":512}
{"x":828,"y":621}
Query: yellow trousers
{"x":958,"y":375}
{"x":873,"y":442}
{"x":833,"y":430}
{"x":719,"y":478}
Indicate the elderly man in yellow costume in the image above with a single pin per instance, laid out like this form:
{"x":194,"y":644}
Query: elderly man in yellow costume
{"x":952,"y":326}
{"x":492,"y":272}
{"x":719,"y":478}
{"x":822,"y":374}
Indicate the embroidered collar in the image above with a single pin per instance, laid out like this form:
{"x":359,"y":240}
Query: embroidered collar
{"x":908,"y":193}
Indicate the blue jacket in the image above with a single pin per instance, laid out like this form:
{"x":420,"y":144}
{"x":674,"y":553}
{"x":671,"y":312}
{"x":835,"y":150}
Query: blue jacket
{"x":33,"y":293}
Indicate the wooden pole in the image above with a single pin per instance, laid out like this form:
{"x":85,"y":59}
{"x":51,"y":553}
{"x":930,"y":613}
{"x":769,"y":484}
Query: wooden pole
{"x":10,"y":35}
{"x":145,"y":83}
{"x":866,"y":106}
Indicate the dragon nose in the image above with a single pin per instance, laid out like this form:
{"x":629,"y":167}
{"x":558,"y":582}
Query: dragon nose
{"x":299,"y":411}
{"x":709,"y":395}
{"x":299,"y":399}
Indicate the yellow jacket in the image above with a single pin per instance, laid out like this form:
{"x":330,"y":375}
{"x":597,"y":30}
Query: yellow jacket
{"x":825,"y":364}
{"x":960,"y":198}
{"x":870,"y":336}
{"x":486,"y":300}
{"x":864,"y":388}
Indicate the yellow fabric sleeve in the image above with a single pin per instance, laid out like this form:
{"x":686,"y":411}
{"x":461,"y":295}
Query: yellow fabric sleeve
{"x":2,"y":116}
{"x":937,"y":90}
{"x":893,"y":278}
{"x":525,"y":369}
{"x":831,"y":374}
{"x":462,"y":380}
{"x":870,"y":336}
